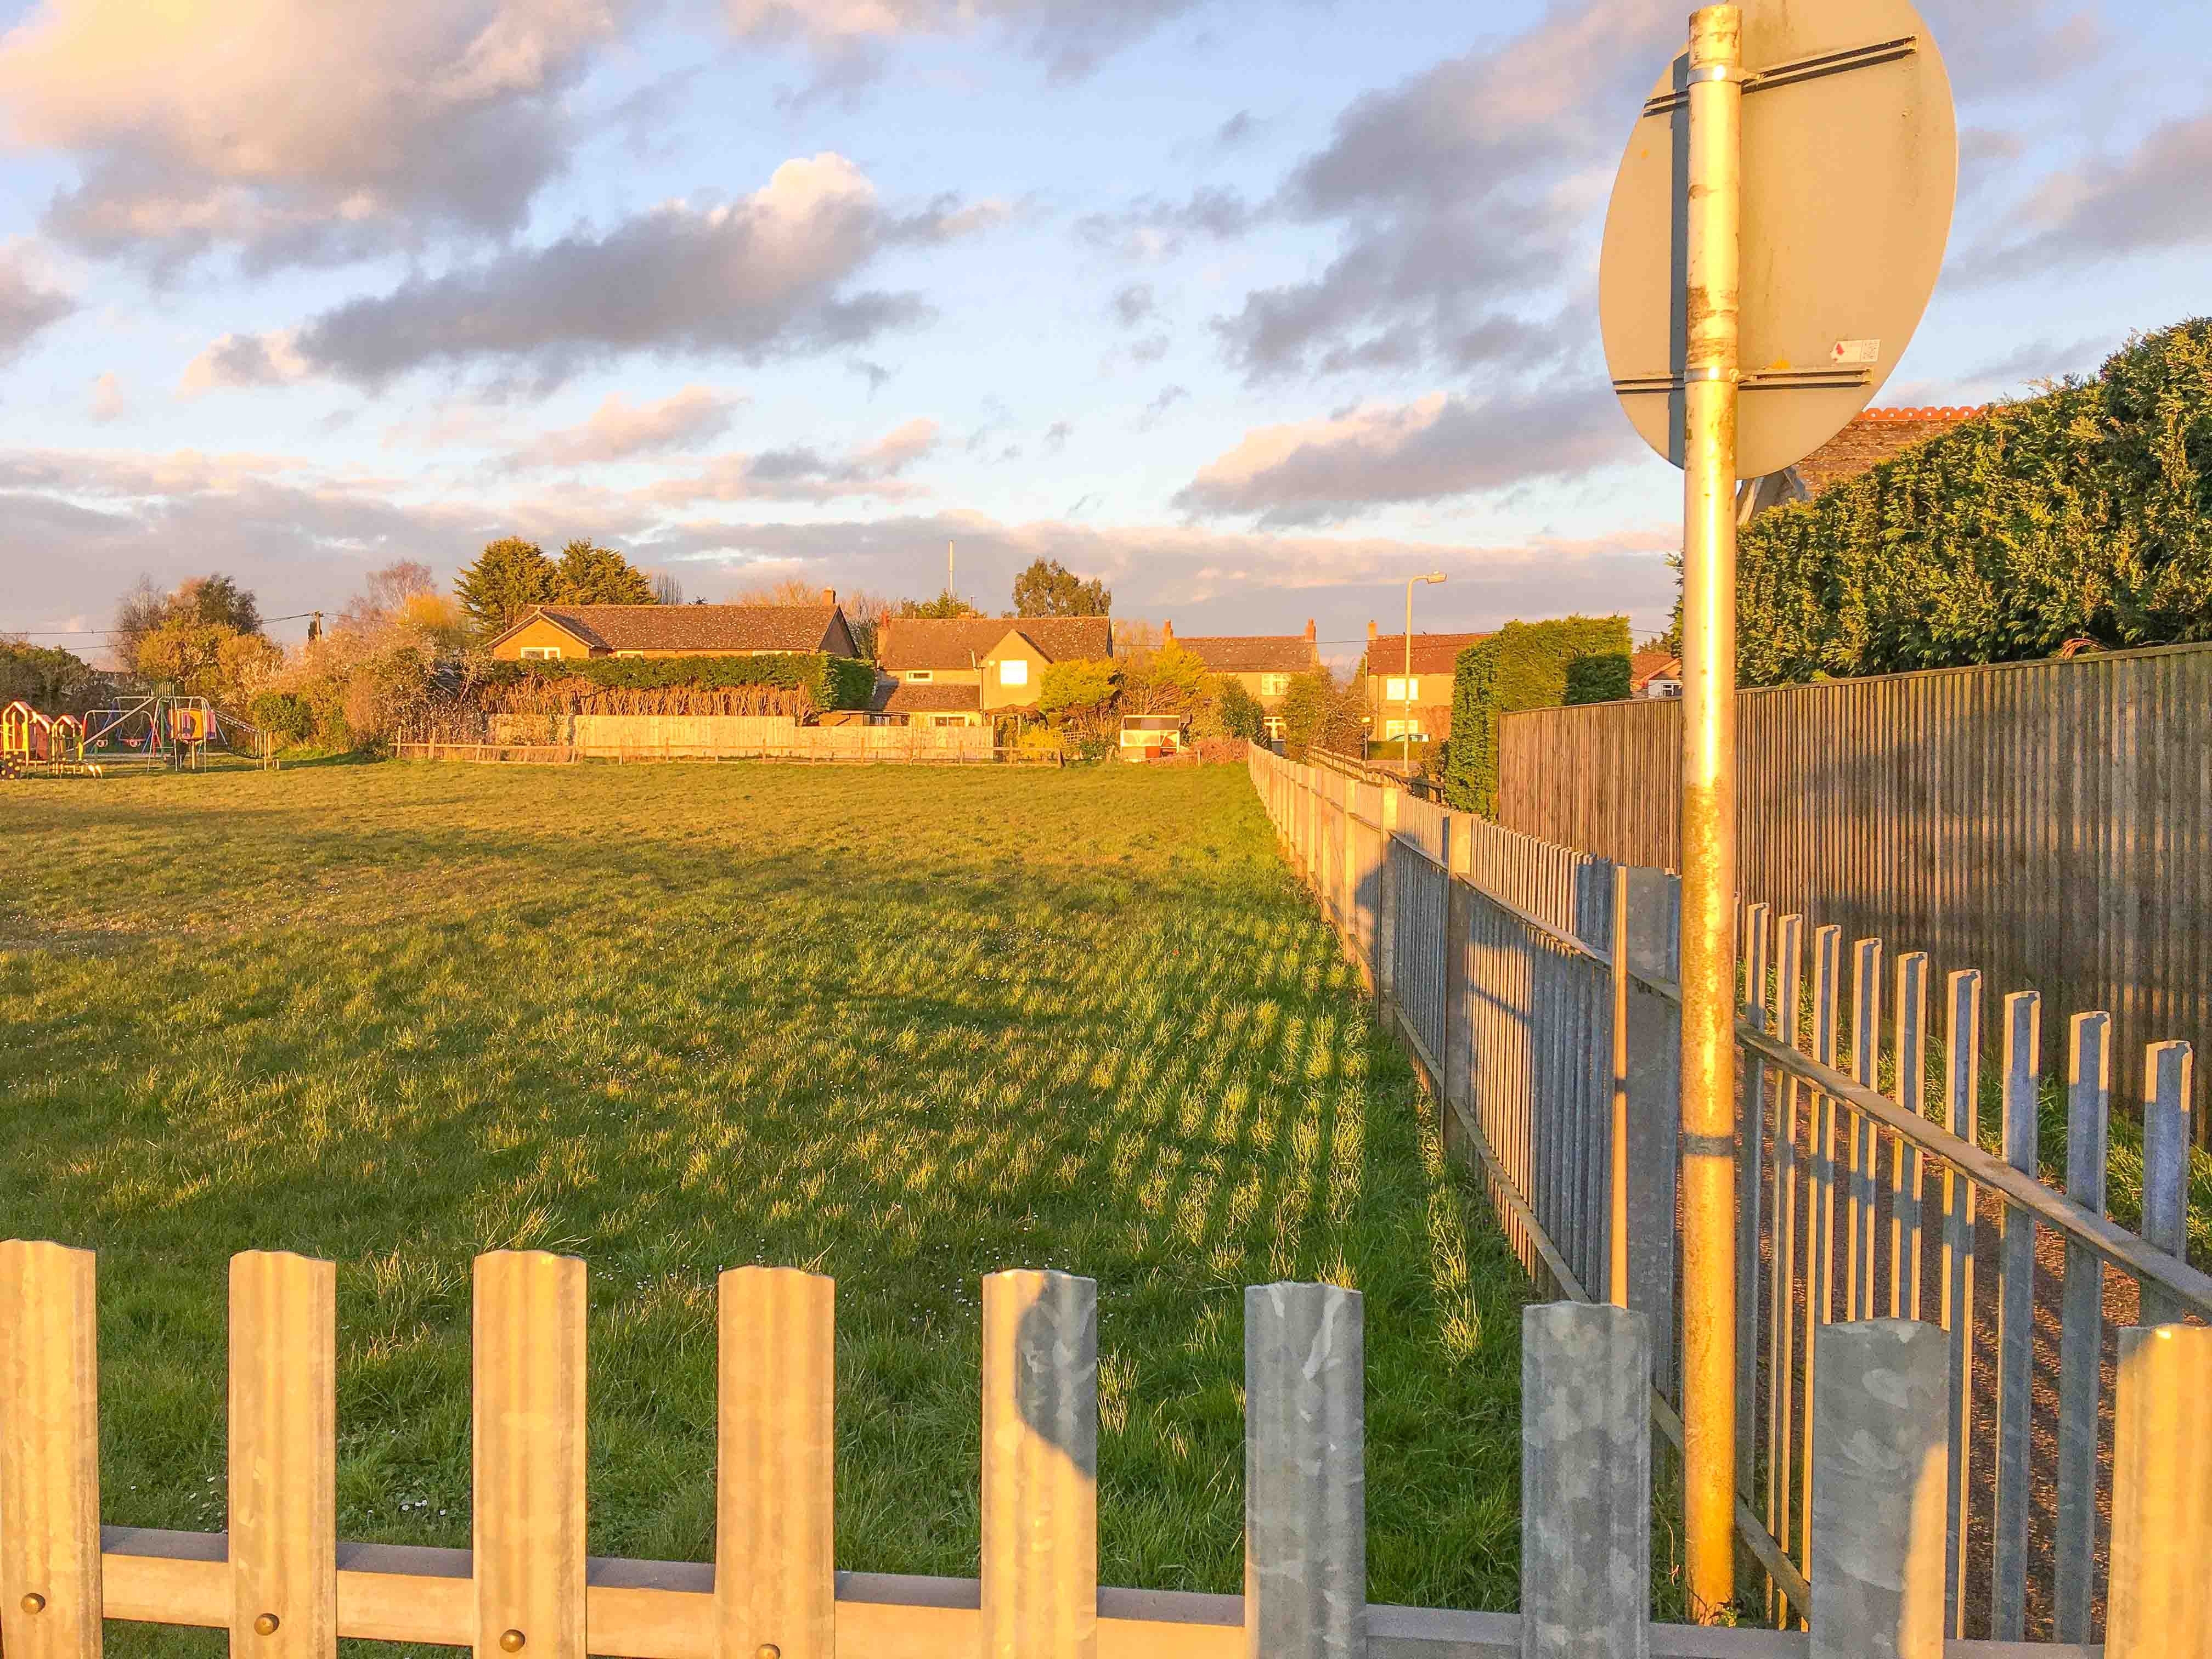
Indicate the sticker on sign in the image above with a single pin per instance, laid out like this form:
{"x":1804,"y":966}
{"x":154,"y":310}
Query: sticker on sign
{"x":1855,"y":354}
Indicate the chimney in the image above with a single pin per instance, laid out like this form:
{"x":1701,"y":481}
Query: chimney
{"x":1167,"y":633}
{"x":829,"y":596}
{"x":1370,"y":630}
{"x":1309,"y":630}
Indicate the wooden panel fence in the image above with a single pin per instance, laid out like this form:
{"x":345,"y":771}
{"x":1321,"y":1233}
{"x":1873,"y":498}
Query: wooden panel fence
{"x":2049,"y":823}
{"x":1536,"y":987}
{"x":281,"y":1584}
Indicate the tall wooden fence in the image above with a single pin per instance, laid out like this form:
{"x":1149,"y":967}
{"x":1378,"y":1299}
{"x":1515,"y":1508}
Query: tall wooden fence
{"x":1537,"y":988}
{"x":2049,"y":822}
{"x":284,"y":1586}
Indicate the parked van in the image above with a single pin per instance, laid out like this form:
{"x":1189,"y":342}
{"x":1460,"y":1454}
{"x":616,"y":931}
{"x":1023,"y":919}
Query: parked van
{"x":1151,"y":737}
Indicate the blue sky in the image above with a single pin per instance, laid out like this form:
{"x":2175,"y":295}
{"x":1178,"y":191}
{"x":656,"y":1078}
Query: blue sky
{"x":1252,"y":310}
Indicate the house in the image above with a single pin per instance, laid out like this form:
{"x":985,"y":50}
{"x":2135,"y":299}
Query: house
{"x":1265,"y":664}
{"x":1419,"y":704}
{"x":1654,"y":672}
{"x":557,"y":633}
{"x":1877,"y":435}
{"x":965,"y":671}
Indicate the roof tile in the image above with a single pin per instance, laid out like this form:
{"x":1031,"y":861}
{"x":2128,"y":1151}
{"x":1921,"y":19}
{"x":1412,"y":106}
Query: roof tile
{"x":963,"y":641}
{"x":696,"y":627}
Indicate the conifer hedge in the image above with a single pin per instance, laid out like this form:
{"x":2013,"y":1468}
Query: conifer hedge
{"x":1526,"y":666}
{"x":2087,"y":511}
{"x":827,"y":682}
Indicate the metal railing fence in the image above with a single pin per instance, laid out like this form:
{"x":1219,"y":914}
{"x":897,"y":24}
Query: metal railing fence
{"x":1864,"y":1186}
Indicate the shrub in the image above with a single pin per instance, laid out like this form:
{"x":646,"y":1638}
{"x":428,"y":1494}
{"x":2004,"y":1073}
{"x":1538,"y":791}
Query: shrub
{"x":51,"y":680}
{"x":1525,"y":666}
{"x":2086,"y":510}
{"x":286,"y":716}
{"x":785,"y":683}
{"x":1077,"y":687}
{"x":1234,"y":712}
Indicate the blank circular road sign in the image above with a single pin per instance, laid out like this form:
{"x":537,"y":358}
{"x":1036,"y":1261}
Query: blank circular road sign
{"x":1850,"y":169}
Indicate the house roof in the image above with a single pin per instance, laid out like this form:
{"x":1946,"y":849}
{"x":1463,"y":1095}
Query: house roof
{"x":1253,"y":653}
{"x":691,"y":626}
{"x":1878,"y":436}
{"x":1646,"y":666}
{"x":1433,"y":654}
{"x":963,"y":641}
{"x":901,"y":698}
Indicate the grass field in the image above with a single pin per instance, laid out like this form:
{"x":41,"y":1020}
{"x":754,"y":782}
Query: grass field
{"x":904,"y":1026}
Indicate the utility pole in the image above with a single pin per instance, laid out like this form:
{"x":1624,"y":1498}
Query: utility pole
{"x":1408,"y":725}
{"x":948,"y":568}
{"x":1708,"y":949}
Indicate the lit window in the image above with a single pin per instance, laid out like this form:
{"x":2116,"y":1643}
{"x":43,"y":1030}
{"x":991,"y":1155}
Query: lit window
{"x":917,"y":676}
{"x":1393,"y":730}
{"x":630,"y":654}
{"x":1274,"y":726}
{"x":1014,"y":671}
{"x":1398,"y":690}
{"x":1273,"y":685}
{"x":541,"y":653}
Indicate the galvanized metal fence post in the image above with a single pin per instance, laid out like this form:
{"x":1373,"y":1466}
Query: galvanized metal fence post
{"x":1880,"y":1462}
{"x":1040,"y":1588}
{"x":1647,"y":1110}
{"x":1305,"y":1463}
{"x":1585,"y":1482}
{"x":2159,"y":1605}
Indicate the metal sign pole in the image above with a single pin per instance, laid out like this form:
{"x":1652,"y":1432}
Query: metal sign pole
{"x":1708,"y":844}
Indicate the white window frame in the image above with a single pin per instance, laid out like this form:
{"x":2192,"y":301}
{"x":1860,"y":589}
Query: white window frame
{"x":1274,"y":726}
{"x":920,"y":676}
{"x":539,"y":653}
{"x":1393,"y":730}
{"x":630,"y":654}
{"x":1014,"y":671}
{"x":1274,"y":685}
{"x":1398,"y":688}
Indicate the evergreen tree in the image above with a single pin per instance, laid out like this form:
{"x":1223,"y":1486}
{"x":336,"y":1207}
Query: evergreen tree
{"x":509,"y":576}
{"x":1048,"y":588}
{"x":599,"y":575}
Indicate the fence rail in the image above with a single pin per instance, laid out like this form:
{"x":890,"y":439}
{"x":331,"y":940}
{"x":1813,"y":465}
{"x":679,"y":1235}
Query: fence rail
{"x":283,"y":1585}
{"x":1545,"y":1011}
{"x":2049,"y":823}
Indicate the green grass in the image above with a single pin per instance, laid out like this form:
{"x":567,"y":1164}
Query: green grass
{"x":904,"y":1026}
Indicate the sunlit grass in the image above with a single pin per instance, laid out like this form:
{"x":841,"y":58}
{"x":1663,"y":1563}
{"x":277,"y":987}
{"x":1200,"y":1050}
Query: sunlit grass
{"x":903,"y":1026}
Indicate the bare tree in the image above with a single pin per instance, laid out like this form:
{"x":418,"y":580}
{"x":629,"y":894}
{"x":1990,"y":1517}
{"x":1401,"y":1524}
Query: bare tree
{"x":386,"y":593}
{"x":666,"y":590}
{"x":143,"y":608}
{"x":784,"y":589}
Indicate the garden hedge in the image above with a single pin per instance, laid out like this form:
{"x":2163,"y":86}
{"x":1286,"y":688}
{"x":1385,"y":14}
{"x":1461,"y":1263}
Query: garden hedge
{"x":2087,"y":511}
{"x":1525,"y":666}
{"x":829,"y":682}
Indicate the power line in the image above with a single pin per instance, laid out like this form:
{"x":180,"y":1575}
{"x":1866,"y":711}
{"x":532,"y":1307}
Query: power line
{"x":109,"y":633}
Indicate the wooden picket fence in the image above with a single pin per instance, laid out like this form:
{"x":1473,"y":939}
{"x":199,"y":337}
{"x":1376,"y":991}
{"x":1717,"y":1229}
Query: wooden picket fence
{"x":1536,"y":987}
{"x":285,"y":1586}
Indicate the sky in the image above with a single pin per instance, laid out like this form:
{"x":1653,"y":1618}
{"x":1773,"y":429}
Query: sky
{"x":1253,"y":310}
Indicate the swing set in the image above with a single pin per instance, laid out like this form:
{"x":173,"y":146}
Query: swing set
{"x":155,"y":733}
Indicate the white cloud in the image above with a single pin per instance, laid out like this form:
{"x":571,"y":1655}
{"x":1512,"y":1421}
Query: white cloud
{"x":29,"y":303}
{"x":1436,"y":447}
{"x":1071,"y":36}
{"x":804,"y":474}
{"x":295,"y":130}
{"x":108,"y":401}
{"x":768,"y":275}
{"x":619,"y":429}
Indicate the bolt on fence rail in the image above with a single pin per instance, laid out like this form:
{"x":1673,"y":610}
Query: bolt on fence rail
{"x":1537,"y":988}
{"x":285,"y":1588}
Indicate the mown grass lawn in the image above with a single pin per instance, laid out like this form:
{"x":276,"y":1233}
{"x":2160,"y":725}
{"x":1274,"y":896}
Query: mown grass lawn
{"x":904,"y":1026}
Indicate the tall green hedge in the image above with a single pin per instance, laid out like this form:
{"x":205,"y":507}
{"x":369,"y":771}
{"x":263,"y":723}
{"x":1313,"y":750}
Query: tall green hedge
{"x":2086,"y":510}
{"x":833,"y":682}
{"x":1526,"y":666}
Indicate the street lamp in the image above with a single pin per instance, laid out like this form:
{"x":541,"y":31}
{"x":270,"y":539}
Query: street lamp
{"x":1434,"y":576}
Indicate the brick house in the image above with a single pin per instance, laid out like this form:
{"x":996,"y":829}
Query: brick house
{"x":556,"y":633}
{"x":1877,"y":435}
{"x":1419,"y":704}
{"x":1264,"y":663}
{"x":965,"y":671}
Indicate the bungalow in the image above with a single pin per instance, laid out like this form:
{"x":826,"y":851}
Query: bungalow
{"x":556,"y":633}
{"x":963,"y":670}
{"x":1655,"y":672}
{"x":1416,"y":704}
{"x":1265,"y":664}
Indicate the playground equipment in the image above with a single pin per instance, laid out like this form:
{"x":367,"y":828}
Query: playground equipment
{"x":164,"y":730}
{"x":29,"y":739}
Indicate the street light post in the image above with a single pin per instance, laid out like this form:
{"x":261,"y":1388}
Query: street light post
{"x":1408,"y":734}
